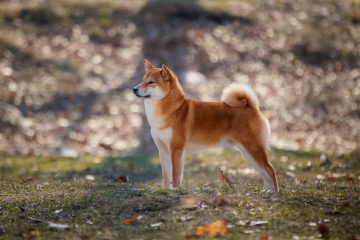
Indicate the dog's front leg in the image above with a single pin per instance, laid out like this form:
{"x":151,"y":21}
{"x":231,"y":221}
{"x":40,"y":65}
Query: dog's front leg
{"x":165,"y":160}
{"x":177,"y":160}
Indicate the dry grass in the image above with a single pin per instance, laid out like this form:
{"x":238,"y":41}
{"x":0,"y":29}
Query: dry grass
{"x":82,"y":193}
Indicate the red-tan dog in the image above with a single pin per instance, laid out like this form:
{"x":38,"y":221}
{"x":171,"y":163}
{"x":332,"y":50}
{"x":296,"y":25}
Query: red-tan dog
{"x":179,"y":123}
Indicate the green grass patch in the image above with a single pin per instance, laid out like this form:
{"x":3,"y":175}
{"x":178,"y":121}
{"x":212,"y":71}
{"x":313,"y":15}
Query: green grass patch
{"x":83,"y":194}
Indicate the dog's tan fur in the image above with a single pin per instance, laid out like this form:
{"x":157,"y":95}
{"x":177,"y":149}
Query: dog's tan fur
{"x":178,"y":122}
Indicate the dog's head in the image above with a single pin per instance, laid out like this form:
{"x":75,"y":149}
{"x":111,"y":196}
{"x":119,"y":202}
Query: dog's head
{"x":156,"y":82}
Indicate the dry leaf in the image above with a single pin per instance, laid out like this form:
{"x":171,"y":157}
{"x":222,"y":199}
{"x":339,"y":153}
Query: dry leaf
{"x":355,"y":237}
{"x":27,"y":180}
{"x":190,"y":202}
{"x":35,"y":220}
{"x":58,"y":226}
{"x":257,"y":223}
{"x":133,"y":220}
{"x":221,"y":201}
{"x":186,"y":218}
{"x":291,"y":167}
{"x":241,"y":223}
{"x":324,"y":230}
{"x":90,"y":177}
{"x":121,"y":179}
{"x":265,"y":237}
{"x":215,"y":229}
{"x":156,"y":224}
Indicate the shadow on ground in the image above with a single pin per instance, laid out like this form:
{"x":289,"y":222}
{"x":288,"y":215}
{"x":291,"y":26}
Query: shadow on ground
{"x":314,"y":190}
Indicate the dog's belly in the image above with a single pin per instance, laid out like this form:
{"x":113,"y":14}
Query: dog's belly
{"x":194,"y":146}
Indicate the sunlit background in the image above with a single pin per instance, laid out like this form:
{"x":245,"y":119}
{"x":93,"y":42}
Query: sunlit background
{"x":67,"y":69}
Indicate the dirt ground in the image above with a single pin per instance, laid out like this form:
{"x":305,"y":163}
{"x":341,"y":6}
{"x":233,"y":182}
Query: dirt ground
{"x":122,"y":198}
{"x":67,"y":69}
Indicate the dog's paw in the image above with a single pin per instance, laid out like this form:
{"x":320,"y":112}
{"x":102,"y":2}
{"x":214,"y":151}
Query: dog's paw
{"x":268,"y":191}
{"x":169,"y":186}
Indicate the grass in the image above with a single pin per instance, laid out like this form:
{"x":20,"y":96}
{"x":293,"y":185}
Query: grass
{"x":82,"y":193}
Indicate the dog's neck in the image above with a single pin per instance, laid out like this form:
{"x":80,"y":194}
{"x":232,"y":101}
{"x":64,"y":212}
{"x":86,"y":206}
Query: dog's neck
{"x":159,"y":110}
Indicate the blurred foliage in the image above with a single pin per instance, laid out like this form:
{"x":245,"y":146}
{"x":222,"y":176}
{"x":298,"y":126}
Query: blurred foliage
{"x":67,"y":68}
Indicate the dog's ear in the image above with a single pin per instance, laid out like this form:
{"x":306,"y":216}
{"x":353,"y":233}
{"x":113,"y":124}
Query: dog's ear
{"x":148,"y":65}
{"x":165,"y":72}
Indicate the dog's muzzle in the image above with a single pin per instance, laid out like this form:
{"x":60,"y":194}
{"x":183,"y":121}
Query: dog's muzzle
{"x":136,"y":92}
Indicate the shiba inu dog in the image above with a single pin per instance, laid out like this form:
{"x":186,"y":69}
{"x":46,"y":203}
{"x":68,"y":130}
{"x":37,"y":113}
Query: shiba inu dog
{"x":179,"y":123}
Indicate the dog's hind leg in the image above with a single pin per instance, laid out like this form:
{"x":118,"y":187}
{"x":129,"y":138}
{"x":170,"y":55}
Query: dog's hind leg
{"x":256,"y":156}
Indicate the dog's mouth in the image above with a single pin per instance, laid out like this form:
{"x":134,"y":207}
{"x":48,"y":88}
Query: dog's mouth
{"x":140,"y":96}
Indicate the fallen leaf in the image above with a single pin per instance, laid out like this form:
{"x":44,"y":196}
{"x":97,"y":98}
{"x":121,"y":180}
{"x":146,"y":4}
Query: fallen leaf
{"x":58,"y":226}
{"x":190,"y":202}
{"x":214,"y":229}
{"x":264,"y":237}
{"x":27,"y":180}
{"x":355,"y":237}
{"x":340,"y":177}
{"x":291,"y":167}
{"x":308,"y":166}
{"x":324,"y":230}
{"x":320,"y":177}
{"x":325,"y":161}
{"x":132,"y":220}
{"x":345,"y":205}
{"x":290,"y":174}
{"x":36,"y":220}
{"x":68,"y":152}
{"x":186,"y":218}
{"x":156,"y":224}
{"x":249,"y":231}
{"x":121,"y":179}
{"x":90,"y":177}
{"x":58,"y":211}
{"x":257,"y":223}
{"x":241,"y":223}
{"x":221,"y":201}
{"x":34,"y":233}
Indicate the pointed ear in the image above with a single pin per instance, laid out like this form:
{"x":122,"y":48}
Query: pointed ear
{"x":165,"y":72}
{"x":148,"y":65}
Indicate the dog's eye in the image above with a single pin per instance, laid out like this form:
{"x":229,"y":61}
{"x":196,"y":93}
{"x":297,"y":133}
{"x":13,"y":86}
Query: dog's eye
{"x":151,"y":82}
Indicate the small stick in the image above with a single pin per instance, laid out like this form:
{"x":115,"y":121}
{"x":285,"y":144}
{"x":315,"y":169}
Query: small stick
{"x":227,"y":180}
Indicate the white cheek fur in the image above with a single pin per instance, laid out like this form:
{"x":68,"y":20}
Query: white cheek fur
{"x":155,"y":92}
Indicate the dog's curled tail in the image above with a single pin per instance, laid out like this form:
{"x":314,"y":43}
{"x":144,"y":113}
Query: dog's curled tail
{"x":240,"y":95}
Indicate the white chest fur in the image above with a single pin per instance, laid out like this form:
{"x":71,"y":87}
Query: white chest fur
{"x":156,"y":122}
{"x":152,"y":113}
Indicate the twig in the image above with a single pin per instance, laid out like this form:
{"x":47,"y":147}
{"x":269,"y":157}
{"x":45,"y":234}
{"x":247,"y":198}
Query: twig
{"x":227,"y":180}
{"x":36,"y":220}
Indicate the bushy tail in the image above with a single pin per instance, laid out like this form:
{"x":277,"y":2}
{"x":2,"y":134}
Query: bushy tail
{"x":240,"y":95}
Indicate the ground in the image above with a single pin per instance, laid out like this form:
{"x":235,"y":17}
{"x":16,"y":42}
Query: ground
{"x":67,"y":69}
{"x":109,"y":198}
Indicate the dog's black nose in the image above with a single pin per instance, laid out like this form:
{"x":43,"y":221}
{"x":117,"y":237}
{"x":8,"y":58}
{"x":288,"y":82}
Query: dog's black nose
{"x":135,"y":90}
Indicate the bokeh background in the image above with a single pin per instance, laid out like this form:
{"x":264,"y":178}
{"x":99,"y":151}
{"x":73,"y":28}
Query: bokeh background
{"x":67,"y":69}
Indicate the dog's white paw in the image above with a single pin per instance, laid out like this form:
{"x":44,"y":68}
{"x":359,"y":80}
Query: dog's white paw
{"x":268,"y":191}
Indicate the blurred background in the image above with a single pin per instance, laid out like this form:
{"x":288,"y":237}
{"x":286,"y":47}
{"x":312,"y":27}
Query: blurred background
{"x":67,"y":69}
